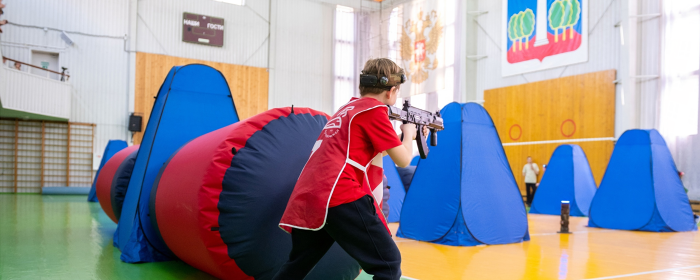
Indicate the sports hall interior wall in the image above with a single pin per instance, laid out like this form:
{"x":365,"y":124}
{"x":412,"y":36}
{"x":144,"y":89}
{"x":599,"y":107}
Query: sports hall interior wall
{"x":249,"y":85}
{"x":97,"y":62}
{"x":108,"y":35}
{"x":632,"y":52}
{"x":565,"y":109}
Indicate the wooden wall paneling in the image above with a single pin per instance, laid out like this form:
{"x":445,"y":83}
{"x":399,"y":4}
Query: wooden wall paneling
{"x":68,"y":157}
{"x":548,"y":110}
{"x":540,"y":108}
{"x":43,"y":153}
{"x":35,"y":154}
{"x":16,"y":151}
{"x":249,"y":85}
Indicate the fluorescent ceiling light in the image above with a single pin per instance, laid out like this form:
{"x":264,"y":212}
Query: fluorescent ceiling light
{"x":345,"y":9}
{"x":235,"y":2}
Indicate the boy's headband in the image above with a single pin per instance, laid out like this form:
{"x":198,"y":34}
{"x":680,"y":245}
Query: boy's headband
{"x":379,"y":81}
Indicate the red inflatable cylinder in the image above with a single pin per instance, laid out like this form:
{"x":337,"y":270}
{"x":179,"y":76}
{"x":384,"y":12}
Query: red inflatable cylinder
{"x":103,"y":186}
{"x":219,"y":199}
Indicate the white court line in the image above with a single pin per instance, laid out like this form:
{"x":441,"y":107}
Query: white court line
{"x":406,"y":277}
{"x":646,"y":272}
{"x":405,"y":240}
{"x":559,"y":141}
{"x":581,"y":231}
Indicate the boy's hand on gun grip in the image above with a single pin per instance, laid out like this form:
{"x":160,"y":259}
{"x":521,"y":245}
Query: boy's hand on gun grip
{"x":409,"y":131}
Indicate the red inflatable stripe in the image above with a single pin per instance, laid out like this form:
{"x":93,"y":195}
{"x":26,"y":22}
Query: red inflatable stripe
{"x":103,"y":186}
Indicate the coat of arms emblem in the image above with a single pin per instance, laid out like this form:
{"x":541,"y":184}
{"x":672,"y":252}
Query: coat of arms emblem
{"x":420,"y":40}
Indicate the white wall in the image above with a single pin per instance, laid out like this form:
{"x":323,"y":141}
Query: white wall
{"x":159,"y":30}
{"x":301,"y":59}
{"x":300,"y":50}
{"x":97,"y":62}
{"x":35,"y":94}
{"x":108,"y":33}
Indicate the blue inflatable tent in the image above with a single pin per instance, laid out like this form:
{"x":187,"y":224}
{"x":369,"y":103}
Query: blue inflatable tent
{"x":414,"y":161}
{"x":399,"y":180}
{"x":641,"y":189}
{"x":194,"y":100}
{"x":464,"y":193}
{"x":113,"y":146}
{"x":396,"y":190}
{"x":569,"y":178}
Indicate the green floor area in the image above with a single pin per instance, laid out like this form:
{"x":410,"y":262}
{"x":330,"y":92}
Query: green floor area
{"x":65,"y":237}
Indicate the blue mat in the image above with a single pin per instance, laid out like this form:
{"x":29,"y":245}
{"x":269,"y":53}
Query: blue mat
{"x":65,"y":190}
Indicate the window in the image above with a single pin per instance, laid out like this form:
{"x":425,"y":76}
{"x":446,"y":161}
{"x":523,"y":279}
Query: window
{"x":235,"y":2}
{"x":446,"y":95}
{"x":344,"y":61}
{"x":45,"y":60}
{"x":394,"y":34}
{"x":681,"y":64}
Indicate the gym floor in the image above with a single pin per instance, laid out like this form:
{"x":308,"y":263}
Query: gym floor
{"x":64,"y":237}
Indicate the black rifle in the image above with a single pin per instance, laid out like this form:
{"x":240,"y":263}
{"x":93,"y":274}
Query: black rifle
{"x":420,"y":118}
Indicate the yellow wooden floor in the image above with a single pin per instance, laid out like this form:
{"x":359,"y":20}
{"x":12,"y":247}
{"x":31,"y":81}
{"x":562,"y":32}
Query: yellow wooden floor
{"x":588,"y":253}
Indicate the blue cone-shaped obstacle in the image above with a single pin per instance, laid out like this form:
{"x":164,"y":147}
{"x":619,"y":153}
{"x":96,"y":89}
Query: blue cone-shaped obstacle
{"x":113,"y":146}
{"x":464,"y":193}
{"x":568,"y":177}
{"x":396,"y":190}
{"x":399,"y":180}
{"x":641,"y":189}
{"x":414,"y":161}
{"x":194,"y":100}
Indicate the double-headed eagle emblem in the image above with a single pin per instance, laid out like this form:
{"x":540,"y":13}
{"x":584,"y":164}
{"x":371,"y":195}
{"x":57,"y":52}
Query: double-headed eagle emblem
{"x":420,"y":51}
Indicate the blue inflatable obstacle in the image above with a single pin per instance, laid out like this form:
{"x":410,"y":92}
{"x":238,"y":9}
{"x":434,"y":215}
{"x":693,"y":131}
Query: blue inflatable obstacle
{"x":113,"y":146}
{"x":194,"y":100}
{"x":568,"y":178}
{"x":414,"y":161}
{"x":396,"y":190}
{"x":641,"y":189}
{"x":464,"y":193}
{"x":398,"y":180}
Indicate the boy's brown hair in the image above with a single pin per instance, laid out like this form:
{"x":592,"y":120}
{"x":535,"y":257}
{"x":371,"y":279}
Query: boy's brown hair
{"x":380,"y":66}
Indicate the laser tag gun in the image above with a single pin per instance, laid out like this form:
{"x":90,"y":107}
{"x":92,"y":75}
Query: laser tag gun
{"x":420,"y":118}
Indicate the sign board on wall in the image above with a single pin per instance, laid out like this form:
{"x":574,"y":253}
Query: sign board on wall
{"x":543,"y":34}
{"x":202,"y":29}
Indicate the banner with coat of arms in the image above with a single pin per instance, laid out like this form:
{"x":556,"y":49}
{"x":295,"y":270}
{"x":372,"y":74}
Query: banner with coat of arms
{"x":422,"y":46}
{"x":543,"y":34}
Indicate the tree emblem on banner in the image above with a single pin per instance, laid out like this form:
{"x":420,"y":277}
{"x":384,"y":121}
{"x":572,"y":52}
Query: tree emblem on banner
{"x":543,"y":34}
{"x":564,"y":14}
{"x":420,"y":40}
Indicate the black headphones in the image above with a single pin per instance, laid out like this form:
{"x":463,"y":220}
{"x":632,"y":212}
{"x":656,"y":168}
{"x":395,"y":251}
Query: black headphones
{"x":375,"y":80}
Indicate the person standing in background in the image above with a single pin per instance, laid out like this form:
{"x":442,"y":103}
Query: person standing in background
{"x":530,"y":171}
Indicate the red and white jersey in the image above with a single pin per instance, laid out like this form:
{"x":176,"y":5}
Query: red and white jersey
{"x":308,"y":205}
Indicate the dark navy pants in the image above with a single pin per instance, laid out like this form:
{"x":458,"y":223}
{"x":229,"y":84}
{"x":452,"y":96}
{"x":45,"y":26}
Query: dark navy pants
{"x":358,"y":230}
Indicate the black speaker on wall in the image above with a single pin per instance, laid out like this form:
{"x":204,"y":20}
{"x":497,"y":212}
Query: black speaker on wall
{"x":135,"y":123}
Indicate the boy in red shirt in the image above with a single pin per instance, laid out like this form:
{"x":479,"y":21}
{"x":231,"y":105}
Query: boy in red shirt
{"x":336,"y":197}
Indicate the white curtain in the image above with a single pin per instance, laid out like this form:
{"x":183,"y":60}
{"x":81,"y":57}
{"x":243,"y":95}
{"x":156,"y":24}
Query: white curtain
{"x":344,"y":56}
{"x":680,"y":87}
{"x":680,"y":64}
{"x":362,"y":45}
